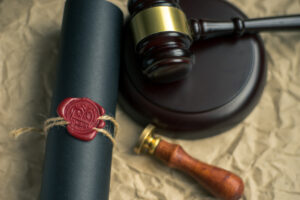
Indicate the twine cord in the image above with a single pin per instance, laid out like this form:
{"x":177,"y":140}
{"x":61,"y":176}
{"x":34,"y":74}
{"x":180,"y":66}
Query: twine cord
{"x":59,"y":121}
{"x":105,"y":132}
{"x":52,"y":122}
{"x":17,"y":132}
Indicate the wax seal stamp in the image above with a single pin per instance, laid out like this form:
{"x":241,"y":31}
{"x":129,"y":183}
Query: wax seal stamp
{"x":221,"y":183}
{"x":82,"y":115}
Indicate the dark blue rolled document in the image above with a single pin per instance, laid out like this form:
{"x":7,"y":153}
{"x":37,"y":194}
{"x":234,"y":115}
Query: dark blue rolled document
{"x":88,"y":67}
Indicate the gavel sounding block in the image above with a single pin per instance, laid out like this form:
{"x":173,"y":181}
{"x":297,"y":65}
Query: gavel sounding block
{"x":225,"y":85}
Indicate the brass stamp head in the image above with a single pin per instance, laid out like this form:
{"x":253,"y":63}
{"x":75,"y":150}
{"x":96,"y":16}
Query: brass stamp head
{"x":147,"y":142}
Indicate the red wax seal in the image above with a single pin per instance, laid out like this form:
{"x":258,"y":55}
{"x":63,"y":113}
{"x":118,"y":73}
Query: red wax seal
{"x":82,"y":115}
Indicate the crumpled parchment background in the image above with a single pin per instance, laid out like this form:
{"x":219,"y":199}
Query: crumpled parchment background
{"x":264,"y":150}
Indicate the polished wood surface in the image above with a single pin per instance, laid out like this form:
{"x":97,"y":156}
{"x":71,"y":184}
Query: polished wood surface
{"x":135,"y":6}
{"x":223,"y":87}
{"x":168,"y":58}
{"x":165,"y":56}
{"x":219,"y":182}
{"x":203,"y":29}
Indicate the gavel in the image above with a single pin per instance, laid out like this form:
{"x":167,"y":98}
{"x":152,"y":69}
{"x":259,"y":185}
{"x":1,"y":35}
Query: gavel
{"x":163,"y":35}
{"x":219,"y":182}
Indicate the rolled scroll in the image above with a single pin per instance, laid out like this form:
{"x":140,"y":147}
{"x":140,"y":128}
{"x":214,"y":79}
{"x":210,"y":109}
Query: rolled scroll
{"x":88,"y":67}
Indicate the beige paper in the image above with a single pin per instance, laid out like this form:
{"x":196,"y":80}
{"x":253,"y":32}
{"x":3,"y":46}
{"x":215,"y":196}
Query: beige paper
{"x":264,"y":150}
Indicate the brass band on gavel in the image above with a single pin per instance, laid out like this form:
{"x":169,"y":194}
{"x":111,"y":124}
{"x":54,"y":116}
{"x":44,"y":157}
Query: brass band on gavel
{"x":159,"y":19}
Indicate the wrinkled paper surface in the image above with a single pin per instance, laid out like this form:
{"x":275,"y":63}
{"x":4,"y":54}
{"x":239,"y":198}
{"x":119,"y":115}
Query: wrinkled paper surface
{"x":264,"y":150}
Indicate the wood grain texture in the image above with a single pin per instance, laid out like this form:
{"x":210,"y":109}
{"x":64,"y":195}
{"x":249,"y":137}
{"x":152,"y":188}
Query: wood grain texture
{"x":219,"y":182}
{"x":165,"y":56}
{"x":229,"y":75}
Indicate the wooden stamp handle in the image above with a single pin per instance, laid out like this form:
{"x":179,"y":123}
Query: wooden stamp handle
{"x":221,"y":183}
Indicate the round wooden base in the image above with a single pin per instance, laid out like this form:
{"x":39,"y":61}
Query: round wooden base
{"x":225,"y":85}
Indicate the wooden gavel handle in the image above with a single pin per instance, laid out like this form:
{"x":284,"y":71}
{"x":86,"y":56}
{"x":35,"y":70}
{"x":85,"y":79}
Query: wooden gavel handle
{"x":238,"y":26}
{"x":221,"y":183}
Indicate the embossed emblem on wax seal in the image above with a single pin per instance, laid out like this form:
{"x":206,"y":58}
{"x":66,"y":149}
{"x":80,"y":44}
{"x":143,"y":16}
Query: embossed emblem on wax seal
{"x":82,"y":115}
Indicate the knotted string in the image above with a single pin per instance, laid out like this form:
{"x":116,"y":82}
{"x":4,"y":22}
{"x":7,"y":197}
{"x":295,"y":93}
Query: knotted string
{"x":59,"y":121}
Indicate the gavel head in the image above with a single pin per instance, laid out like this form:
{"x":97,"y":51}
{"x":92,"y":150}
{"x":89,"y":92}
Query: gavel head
{"x":162,"y":39}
